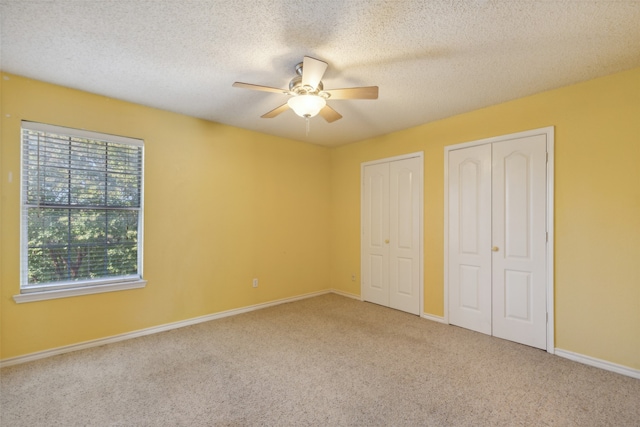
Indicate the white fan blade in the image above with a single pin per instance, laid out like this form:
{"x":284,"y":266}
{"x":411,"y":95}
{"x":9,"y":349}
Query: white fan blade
{"x":329,"y":114}
{"x":312,"y":71}
{"x":368,"y":92}
{"x":271,"y":114}
{"x":258,"y":87}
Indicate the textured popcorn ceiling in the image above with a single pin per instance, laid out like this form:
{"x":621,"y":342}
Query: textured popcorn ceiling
{"x":431,"y":58}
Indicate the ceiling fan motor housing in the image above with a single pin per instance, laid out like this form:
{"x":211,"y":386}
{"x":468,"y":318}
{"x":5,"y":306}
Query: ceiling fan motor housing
{"x":296,"y":86}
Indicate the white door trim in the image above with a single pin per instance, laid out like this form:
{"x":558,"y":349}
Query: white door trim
{"x":419,"y":154}
{"x":549,"y":132}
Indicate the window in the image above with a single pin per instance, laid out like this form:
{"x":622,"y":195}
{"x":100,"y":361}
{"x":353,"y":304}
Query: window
{"x":81,"y":210}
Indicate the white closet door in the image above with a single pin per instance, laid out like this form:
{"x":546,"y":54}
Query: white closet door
{"x":497,"y":239}
{"x":392,"y":233}
{"x":519,"y":237}
{"x":404,"y":234}
{"x":375,"y":256}
{"x":470,"y":238}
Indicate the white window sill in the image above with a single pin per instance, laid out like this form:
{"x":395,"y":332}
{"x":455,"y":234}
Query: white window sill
{"x":73,"y":292}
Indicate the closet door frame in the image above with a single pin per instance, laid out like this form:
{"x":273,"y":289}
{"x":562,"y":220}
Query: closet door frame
{"x":420,"y":155}
{"x":549,"y":133}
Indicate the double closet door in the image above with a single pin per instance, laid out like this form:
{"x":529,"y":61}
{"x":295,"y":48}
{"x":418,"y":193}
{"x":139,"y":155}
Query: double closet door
{"x":391,"y":233}
{"x":497,"y":239}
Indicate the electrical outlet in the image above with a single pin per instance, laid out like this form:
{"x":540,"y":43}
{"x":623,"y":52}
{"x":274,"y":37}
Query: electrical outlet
{"x":255,"y":283}
{"x":353,"y":277}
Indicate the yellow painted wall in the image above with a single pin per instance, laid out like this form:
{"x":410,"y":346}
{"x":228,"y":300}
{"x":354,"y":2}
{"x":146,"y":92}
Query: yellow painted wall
{"x":289,"y":213}
{"x":222,"y":206}
{"x":597,"y":206}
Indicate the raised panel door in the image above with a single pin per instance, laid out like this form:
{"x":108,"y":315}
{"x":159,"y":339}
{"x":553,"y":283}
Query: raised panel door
{"x":375,"y":262}
{"x":404,"y":234}
{"x":519,"y":234}
{"x":469,"y":248}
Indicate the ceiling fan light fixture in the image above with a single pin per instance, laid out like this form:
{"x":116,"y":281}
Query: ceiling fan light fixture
{"x":307,"y":105}
{"x":308,"y":97}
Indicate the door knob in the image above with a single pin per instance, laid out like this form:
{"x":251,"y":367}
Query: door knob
{"x":495,"y":249}
{"x":386,"y":240}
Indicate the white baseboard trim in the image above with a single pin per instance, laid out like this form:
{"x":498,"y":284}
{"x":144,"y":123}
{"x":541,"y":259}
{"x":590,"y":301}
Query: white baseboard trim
{"x":434,"y":318}
{"x":598,"y":363}
{"x":149,"y":331}
{"x":346,"y":294}
{"x":587,"y":360}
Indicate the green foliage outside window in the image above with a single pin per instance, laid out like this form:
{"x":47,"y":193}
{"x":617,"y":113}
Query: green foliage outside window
{"x":82,"y":200}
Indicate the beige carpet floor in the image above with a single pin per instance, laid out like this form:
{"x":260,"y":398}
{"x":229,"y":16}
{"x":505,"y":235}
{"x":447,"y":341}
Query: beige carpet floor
{"x":323,"y":361}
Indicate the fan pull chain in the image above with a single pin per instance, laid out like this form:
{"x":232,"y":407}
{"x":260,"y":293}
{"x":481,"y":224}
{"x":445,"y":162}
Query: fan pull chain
{"x":307,"y":120}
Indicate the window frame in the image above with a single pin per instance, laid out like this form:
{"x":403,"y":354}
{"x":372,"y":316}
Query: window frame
{"x":62,"y":289}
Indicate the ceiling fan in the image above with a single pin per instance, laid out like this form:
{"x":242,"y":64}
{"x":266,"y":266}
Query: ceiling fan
{"x":308,"y":97}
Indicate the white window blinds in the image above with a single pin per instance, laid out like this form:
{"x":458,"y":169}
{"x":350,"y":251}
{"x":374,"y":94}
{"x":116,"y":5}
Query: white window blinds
{"x":82,"y":207}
